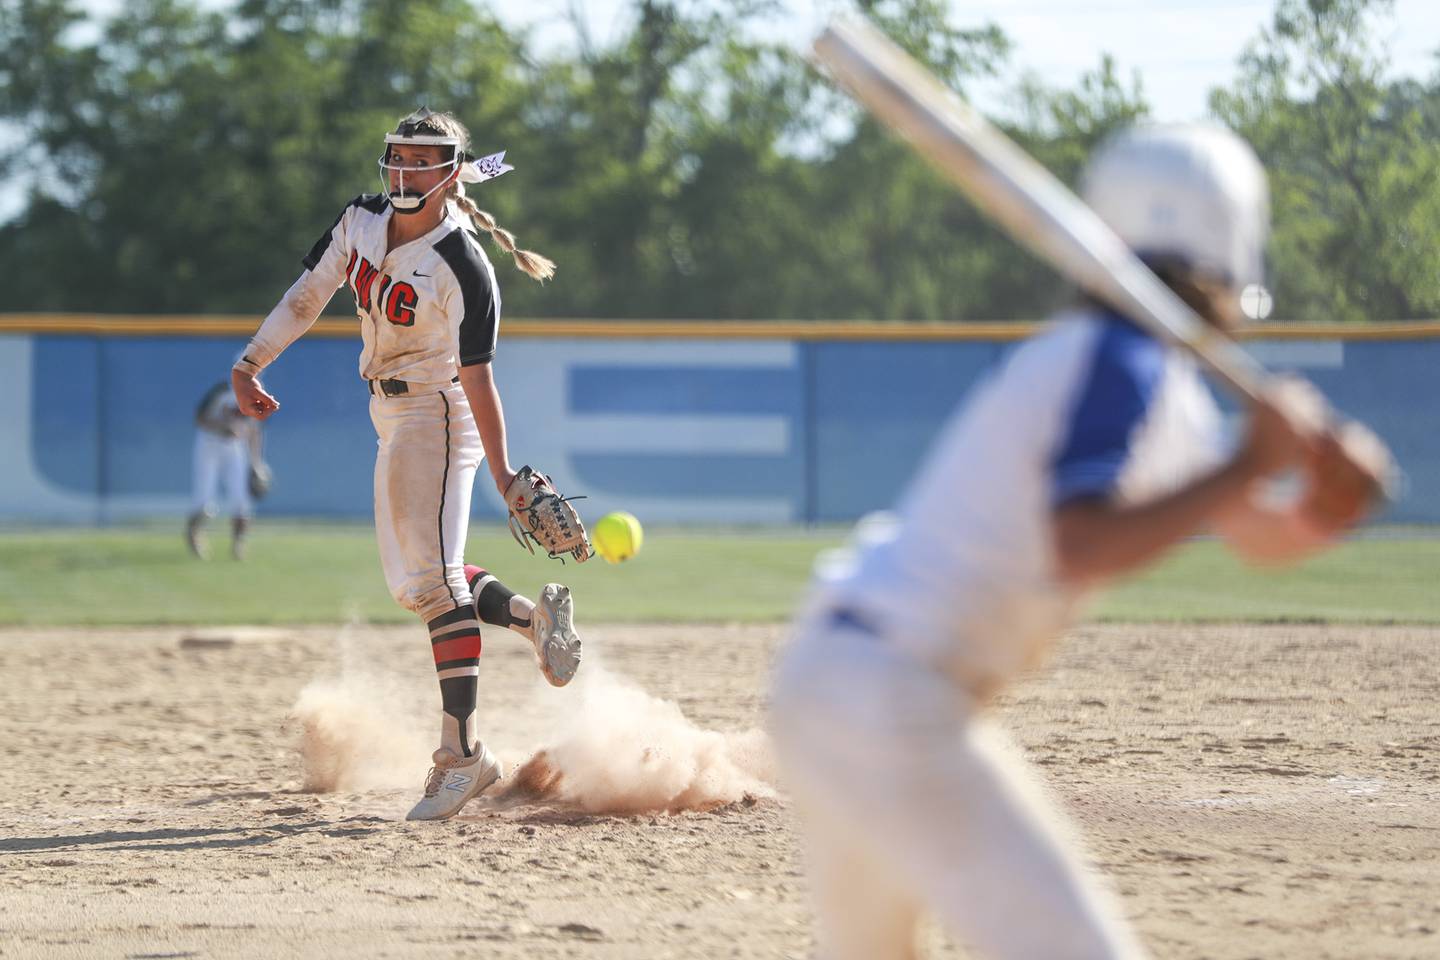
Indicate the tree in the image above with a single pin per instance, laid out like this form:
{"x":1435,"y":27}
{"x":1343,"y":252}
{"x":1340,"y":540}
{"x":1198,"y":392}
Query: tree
{"x":183,"y":158}
{"x":1354,"y":165}
{"x":197,"y":155}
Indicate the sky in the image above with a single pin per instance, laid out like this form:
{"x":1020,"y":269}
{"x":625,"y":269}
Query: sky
{"x":1182,"y":48}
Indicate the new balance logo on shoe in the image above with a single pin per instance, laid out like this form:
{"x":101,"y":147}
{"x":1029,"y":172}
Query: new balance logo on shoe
{"x":447,"y":789}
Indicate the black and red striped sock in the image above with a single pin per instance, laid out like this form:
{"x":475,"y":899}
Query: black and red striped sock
{"x":455,"y":642}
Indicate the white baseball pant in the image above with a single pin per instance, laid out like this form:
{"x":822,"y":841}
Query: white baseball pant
{"x":909,"y":804}
{"x":429,"y":449}
{"x":221,"y":463}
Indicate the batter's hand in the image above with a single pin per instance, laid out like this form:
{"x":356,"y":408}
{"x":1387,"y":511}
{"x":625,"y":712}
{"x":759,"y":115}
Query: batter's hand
{"x":251,"y":397}
{"x":1348,"y":473}
{"x":1286,"y":422}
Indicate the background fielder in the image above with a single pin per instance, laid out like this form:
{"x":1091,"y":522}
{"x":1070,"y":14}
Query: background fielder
{"x":227,"y":450}
{"x":429,"y":312}
{"x":1089,"y":452}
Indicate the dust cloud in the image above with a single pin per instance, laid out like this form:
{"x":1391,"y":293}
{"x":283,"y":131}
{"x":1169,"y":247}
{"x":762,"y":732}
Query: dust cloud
{"x":625,"y":751}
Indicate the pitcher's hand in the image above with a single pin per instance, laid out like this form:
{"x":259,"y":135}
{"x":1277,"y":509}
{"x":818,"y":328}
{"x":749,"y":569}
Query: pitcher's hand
{"x":251,"y":397}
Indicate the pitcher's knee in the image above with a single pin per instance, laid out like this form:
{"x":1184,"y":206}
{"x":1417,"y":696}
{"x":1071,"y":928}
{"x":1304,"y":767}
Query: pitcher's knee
{"x":433,"y":592}
{"x":402,"y":596}
{"x":438,"y":599}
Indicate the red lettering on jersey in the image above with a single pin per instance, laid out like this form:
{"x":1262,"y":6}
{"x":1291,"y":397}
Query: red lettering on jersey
{"x":350,"y":266}
{"x":364,"y":280}
{"x":380,"y":293}
{"x":400,"y":308}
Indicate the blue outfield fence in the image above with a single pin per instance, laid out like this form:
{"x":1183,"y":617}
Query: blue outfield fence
{"x":770,"y":425}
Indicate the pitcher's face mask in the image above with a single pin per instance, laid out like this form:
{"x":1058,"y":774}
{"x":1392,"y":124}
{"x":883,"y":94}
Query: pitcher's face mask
{"x":403,"y":182}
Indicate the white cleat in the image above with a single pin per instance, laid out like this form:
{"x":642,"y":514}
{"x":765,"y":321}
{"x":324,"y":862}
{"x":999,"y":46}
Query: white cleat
{"x":557,"y":645}
{"x":454,"y":781}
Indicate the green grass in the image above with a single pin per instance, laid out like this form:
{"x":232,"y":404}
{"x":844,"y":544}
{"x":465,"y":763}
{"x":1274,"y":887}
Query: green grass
{"x":1361,"y":581}
{"x":325,"y":574}
{"x":328,"y":573}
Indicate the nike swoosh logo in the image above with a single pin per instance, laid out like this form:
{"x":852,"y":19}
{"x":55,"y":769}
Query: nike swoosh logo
{"x":417,"y":273}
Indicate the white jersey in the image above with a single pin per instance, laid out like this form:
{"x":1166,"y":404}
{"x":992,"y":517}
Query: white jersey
{"x":426,"y":308}
{"x":965,"y":578}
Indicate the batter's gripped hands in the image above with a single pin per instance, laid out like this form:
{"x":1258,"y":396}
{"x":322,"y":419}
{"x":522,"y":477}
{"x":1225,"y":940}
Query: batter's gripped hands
{"x":1287,"y":422}
{"x":251,"y":397}
{"x":1346,"y":477}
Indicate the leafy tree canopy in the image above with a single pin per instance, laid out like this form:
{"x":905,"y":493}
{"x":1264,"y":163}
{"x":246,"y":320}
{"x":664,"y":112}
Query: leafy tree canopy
{"x":182,"y":159}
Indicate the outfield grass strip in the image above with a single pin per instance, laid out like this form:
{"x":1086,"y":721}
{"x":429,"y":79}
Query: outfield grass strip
{"x":321,"y":573}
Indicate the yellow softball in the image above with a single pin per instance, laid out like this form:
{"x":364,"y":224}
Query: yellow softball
{"x":617,"y":537}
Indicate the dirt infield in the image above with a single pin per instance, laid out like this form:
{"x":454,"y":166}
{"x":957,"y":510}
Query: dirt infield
{"x":1253,"y":791}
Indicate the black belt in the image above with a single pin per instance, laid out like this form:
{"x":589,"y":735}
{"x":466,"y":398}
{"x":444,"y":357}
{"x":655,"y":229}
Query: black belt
{"x":395,"y":388}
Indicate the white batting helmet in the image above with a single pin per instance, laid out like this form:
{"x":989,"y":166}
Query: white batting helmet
{"x":1192,"y":192}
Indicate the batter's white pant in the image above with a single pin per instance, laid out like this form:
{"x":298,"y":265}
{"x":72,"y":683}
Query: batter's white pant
{"x":908,"y":803}
{"x":425,"y":467}
{"x":221,"y":462}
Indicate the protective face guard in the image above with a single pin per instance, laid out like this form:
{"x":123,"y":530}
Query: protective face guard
{"x":401,"y":199}
{"x":472,"y":170}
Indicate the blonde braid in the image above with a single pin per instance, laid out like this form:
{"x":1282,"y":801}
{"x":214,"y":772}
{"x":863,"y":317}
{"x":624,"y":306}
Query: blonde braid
{"x":538,"y":267}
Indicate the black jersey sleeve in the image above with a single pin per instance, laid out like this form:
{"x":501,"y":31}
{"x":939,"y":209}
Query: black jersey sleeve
{"x":373,"y":202}
{"x":480,"y":319}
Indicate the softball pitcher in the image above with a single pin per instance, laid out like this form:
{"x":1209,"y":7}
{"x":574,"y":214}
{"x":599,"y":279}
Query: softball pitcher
{"x":429,"y":311}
